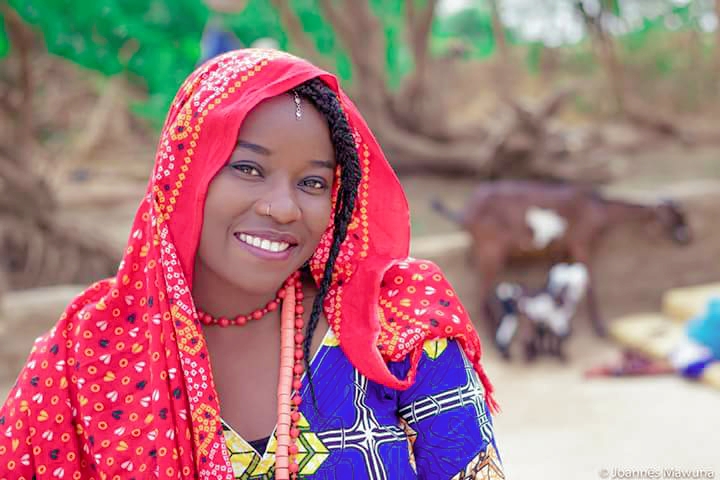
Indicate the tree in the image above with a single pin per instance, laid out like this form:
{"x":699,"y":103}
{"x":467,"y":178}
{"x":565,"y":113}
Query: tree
{"x":596,"y":24}
{"x":412,"y":121}
{"x":717,"y":36}
{"x":382,"y":47}
{"x":37,"y":247}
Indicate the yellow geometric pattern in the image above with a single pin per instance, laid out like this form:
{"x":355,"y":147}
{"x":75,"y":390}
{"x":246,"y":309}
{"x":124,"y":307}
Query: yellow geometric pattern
{"x":330,"y":340}
{"x":485,"y":466}
{"x":248,"y":465}
{"x":435,"y":348}
{"x":243,"y":458}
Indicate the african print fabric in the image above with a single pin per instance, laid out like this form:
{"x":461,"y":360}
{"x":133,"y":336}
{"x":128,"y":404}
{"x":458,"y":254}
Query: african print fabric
{"x":440,"y":428}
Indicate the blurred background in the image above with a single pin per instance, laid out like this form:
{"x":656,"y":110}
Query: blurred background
{"x":588,"y":127}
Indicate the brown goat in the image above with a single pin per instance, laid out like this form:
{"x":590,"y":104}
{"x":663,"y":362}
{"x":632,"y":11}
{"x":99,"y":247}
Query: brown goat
{"x":515,"y":219}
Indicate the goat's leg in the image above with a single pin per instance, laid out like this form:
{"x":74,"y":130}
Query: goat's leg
{"x":597,"y":321}
{"x":560,"y":349}
{"x":490,"y":262}
{"x":505,"y":333}
{"x":582,"y":255}
{"x":529,"y":338}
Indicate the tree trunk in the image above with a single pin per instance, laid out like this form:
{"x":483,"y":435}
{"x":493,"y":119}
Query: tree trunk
{"x":21,"y":41}
{"x":418,"y":26}
{"x":37,"y":249}
{"x":604,"y":48}
{"x":418,"y":106}
{"x":613,"y":70}
{"x":294,"y":30}
{"x":717,"y":37}
{"x":503,"y":83}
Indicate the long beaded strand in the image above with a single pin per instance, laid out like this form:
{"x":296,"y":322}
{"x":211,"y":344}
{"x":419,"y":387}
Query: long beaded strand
{"x":290,"y":381}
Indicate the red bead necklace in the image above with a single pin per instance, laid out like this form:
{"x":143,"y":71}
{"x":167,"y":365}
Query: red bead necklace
{"x":292,"y":368}
{"x":271,"y":306}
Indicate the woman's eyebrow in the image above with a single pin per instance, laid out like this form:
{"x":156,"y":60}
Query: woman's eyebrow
{"x":323,"y":163}
{"x":253,"y":147}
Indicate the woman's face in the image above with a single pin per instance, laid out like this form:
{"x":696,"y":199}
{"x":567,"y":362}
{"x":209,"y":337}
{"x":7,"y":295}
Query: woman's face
{"x":281,"y":165}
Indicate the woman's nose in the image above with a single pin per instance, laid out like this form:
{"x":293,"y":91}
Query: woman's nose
{"x":280,"y":204}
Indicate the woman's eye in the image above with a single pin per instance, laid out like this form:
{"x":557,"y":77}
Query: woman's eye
{"x":246,"y":169}
{"x":314,"y":184}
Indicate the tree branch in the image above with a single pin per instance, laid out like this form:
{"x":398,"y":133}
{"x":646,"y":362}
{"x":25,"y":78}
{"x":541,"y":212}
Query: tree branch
{"x":297,"y":34}
{"x":343,"y":28}
{"x":418,"y":30}
{"x":364,"y":42}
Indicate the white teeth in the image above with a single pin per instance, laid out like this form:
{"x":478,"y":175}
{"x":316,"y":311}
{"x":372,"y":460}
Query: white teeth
{"x":264,"y":244}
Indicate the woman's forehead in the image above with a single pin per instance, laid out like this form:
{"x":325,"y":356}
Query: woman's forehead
{"x":274,"y":125}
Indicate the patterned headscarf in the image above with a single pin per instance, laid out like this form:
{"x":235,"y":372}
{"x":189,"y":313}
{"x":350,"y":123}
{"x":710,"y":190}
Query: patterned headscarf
{"x":121,"y":387}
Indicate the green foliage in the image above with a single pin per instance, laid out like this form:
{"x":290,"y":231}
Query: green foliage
{"x":257,"y":20}
{"x":534,"y":56}
{"x":322,"y":36}
{"x":612,"y":6}
{"x":4,"y":40}
{"x":158,"y":43}
{"x":155,"y":41}
{"x":652,"y":47}
{"x":471,"y":26}
{"x":397,"y":55}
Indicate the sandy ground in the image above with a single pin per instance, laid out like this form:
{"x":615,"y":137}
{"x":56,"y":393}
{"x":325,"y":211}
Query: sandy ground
{"x":554,"y":424}
{"x":557,"y":425}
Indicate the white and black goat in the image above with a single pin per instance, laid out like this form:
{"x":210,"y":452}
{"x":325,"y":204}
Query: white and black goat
{"x":544,"y":317}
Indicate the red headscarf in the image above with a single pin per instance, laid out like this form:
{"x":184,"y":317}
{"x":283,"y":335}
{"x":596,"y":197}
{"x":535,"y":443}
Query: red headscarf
{"x":121,"y":387}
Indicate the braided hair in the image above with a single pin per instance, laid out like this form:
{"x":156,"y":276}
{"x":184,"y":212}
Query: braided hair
{"x":326,"y":102}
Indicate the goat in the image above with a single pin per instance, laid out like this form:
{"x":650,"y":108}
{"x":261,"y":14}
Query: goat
{"x":511,"y":219}
{"x":546,"y":313}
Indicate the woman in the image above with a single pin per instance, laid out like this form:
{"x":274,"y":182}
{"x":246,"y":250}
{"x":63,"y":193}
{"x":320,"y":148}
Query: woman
{"x":271,"y":220}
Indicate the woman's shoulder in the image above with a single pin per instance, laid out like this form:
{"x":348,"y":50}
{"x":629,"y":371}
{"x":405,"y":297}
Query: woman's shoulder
{"x":438,"y":356}
{"x":418,"y":303}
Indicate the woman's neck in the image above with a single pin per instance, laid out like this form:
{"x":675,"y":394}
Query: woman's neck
{"x":219,"y":298}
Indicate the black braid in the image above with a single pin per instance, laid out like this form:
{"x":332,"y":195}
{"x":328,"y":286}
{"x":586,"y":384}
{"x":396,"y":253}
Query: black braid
{"x":324,"y":99}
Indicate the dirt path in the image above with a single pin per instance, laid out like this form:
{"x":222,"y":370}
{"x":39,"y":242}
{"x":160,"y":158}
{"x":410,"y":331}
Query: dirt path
{"x":556,"y":425}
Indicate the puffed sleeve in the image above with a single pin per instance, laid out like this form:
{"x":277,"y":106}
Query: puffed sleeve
{"x":447,"y":418}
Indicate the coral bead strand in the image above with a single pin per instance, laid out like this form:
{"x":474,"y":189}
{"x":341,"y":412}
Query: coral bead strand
{"x":297,"y":372}
{"x":284,"y":467}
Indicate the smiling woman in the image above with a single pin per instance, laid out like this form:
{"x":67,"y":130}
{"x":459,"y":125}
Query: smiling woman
{"x":271,"y":212}
{"x":274,"y":189}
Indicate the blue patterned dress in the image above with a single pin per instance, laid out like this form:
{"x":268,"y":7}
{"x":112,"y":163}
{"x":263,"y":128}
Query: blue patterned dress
{"x":438,"y":429}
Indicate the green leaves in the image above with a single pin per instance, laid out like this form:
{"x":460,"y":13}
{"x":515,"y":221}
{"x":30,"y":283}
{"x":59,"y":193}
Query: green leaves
{"x":611,"y":6}
{"x":158,"y":42}
{"x":4,"y":40}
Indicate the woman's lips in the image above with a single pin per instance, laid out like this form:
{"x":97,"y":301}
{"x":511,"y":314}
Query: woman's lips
{"x":269,"y":246}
